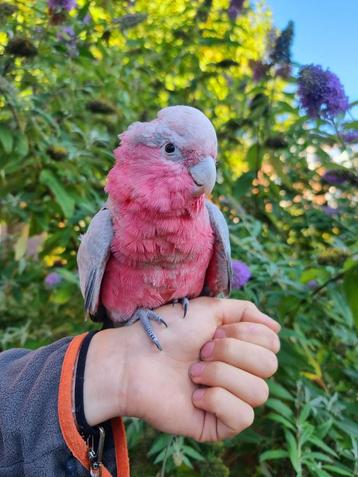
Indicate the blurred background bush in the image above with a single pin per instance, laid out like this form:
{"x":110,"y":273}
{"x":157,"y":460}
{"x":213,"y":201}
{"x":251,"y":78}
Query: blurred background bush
{"x":73,"y":75}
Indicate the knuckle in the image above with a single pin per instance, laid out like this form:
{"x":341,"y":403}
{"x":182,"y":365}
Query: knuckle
{"x":244,"y":329}
{"x":211,"y":373}
{"x":250,"y":307}
{"x":213,"y":398}
{"x":230,"y":346}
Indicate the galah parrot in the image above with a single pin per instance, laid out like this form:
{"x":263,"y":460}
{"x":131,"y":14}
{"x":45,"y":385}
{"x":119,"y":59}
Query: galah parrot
{"x":158,"y":239}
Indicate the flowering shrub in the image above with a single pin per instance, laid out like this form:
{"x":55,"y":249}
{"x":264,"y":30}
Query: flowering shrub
{"x":73,"y":75}
{"x":321,"y":93}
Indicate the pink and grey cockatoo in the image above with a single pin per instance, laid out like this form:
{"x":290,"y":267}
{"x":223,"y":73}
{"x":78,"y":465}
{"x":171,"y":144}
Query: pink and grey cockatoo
{"x":158,"y":239}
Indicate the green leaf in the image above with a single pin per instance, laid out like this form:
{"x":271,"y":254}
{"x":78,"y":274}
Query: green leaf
{"x":350,"y":285}
{"x":280,"y":407}
{"x":21,"y":145}
{"x":318,"y":456}
{"x":6,"y":138}
{"x":161,"y":455}
{"x":243,"y":184}
{"x":254,"y":157}
{"x":350,"y":125}
{"x":160,"y":444}
{"x":348,"y":426}
{"x":273,"y":454}
{"x":282,"y":420}
{"x":322,"y":445}
{"x":322,"y":429}
{"x":63,"y":199}
{"x":68,"y":275}
{"x":305,"y":413}
{"x":306,"y":433}
{"x":284,"y":107}
{"x":313,"y":273}
{"x":21,"y":243}
{"x":339,"y":469}
{"x":192,"y":453}
{"x":293,"y":451}
{"x":320,"y":472}
{"x":279,"y":391}
{"x":278,"y":166}
{"x":62,"y":295}
{"x":187,"y":462}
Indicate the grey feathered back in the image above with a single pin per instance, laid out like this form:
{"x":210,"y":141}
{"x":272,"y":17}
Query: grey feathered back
{"x":219,"y":273}
{"x":92,"y":258}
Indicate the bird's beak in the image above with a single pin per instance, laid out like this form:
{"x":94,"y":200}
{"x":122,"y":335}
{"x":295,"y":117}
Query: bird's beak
{"x":204,"y":175}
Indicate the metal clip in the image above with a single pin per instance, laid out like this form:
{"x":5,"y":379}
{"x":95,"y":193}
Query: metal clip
{"x":95,"y":457}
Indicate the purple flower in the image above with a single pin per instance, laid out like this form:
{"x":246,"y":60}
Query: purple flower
{"x":53,"y":279}
{"x":87,"y":19}
{"x":62,"y":4}
{"x":259,"y":69}
{"x":67,"y":36}
{"x":235,"y":8}
{"x":312,"y":284}
{"x":241,"y":274}
{"x":350,"y":136}
{"x":282,"y":50}
{"x":320,"y":92}
{"x":66,"y":33}
{"x":284,"y":71}
{"x":335,"y":177}
{"x":330,"y":211}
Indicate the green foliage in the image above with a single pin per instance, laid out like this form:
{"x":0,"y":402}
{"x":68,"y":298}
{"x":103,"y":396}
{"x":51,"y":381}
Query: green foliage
{"x":63,"y":101}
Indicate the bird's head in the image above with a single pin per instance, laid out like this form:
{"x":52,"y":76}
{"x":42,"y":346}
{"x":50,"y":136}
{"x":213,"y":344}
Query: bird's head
{"x":170,"y":159}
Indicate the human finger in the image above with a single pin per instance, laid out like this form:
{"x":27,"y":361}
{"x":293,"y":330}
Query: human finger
{"x":247,"y":356}
{"x":231,"y":311}
{"x":233,"y":415}
{"x":249,"y":388}
{"x":255,"y":333}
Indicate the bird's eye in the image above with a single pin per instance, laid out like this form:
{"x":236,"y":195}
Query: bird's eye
{"x":169,"y":148}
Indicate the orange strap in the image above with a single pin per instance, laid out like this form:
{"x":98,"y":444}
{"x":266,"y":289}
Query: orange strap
{"x":71,"y":436}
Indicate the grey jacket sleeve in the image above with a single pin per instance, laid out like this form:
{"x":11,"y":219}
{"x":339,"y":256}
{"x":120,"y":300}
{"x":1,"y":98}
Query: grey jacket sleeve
{"x":31,"y":443}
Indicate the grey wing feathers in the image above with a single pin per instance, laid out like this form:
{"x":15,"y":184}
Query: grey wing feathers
{"x":219,"y":273}
{"x":92,"y":257}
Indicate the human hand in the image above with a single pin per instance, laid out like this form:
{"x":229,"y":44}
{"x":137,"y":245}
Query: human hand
{"x":126,"y":375}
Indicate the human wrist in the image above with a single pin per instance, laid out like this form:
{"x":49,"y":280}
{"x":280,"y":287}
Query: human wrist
{"x":105,"y":377}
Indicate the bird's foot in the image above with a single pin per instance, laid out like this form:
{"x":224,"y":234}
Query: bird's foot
{"x":145,"y":315}
{"x":184,"y":302}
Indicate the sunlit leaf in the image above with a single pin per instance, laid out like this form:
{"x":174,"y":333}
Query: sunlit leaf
{"x":350,"y":289}
{"x":64,"y":200}
{"x":6,"y":138}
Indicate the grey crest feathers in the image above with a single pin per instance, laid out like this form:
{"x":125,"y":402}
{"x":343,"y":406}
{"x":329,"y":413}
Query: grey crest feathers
{"x":92,"y":258}
{"x":187,"y":127}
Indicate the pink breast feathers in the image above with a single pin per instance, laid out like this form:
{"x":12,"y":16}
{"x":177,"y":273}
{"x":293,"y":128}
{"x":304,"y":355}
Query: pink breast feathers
{"x":156,"y":260}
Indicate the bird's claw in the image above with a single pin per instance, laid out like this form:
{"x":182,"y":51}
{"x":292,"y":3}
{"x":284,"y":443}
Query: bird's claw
{"x":144,"y":315}
{"x":184,"y":302}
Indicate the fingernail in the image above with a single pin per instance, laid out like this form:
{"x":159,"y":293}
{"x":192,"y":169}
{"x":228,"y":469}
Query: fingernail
{"x":197,"y":369}
{"x":198,"y":394}
{"x":220,"y":333}
{"x":207,"y":349}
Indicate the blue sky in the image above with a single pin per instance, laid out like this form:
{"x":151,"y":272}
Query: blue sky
{"x":326,"y":33}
